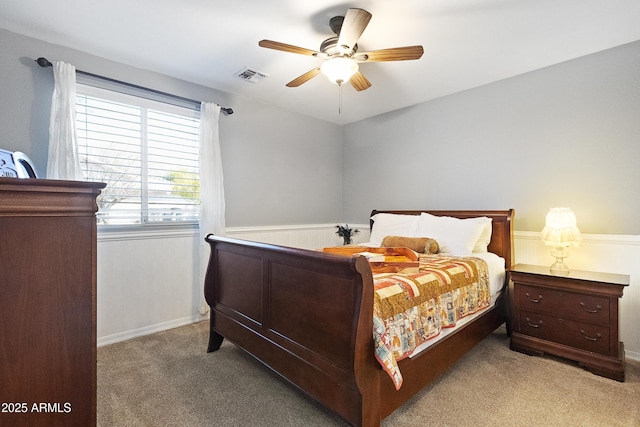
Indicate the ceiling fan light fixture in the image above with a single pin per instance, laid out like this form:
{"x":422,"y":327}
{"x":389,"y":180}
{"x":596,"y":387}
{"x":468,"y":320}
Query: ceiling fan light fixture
{"x":339,"y":69}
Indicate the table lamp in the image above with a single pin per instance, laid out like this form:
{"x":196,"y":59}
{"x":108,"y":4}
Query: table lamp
{"x":560,"y":232}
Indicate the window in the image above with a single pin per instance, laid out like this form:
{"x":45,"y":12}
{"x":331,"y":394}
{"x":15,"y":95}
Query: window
{"x":146,"y":151}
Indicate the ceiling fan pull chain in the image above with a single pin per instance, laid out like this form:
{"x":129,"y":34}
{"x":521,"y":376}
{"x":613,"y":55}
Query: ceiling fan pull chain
{"x":339,"y":99}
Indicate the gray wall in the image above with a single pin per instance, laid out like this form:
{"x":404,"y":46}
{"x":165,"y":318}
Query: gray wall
{"x":566,"y":135}
{"x":279,"y":167}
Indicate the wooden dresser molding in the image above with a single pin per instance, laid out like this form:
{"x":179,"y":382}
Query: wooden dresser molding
{"x":31,"y":197}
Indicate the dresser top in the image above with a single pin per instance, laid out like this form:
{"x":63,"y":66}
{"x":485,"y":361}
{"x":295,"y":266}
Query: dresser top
{"x":48,"y":197}
{"x":591,"y":276}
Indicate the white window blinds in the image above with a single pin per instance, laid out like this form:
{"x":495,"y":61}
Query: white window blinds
{"x":147,"y":153}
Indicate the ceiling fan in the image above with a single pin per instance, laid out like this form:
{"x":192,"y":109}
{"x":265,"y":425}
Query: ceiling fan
{"x":341,"y":52}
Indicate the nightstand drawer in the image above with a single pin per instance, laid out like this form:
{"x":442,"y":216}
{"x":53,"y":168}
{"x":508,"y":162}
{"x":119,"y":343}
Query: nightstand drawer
{"x":586,"y":308}
{"x":585,"y":336}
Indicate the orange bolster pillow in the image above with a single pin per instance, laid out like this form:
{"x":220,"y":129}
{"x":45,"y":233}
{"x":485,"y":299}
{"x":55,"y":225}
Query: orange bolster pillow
{"x":423,"y":245}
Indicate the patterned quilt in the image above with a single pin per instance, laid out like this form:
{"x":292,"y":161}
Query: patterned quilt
{"x":410,"y":309}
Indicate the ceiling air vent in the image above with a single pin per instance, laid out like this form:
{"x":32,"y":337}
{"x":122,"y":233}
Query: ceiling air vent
{"x":249,"y":75}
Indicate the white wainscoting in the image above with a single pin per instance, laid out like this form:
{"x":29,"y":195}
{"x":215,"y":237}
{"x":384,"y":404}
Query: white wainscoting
{"x":147,"y":282}
{"x":150,"y":282}
{"x":312,"y":236}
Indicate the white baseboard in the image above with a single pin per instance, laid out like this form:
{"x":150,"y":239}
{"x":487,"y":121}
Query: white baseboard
{"x":147,"y":330}
{"x":632,"y":355}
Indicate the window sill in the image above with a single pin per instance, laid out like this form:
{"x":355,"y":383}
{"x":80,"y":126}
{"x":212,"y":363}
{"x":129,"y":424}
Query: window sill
{"x":144,"y":232}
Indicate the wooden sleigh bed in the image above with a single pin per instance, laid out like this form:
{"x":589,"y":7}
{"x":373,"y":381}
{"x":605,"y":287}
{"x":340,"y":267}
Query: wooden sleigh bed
{"x":308,"y":316}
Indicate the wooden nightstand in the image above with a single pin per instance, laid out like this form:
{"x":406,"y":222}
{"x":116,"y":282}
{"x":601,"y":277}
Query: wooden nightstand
{"x":573,"y":316}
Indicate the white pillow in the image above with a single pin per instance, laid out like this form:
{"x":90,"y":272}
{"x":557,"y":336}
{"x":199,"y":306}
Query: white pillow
{"x":455,"y":236}
{"x":485,"y":237}
{"x":393,"y":225}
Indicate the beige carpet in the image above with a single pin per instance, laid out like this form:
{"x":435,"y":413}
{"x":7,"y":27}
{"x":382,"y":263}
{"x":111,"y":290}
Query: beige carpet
{"x":168,"y":379}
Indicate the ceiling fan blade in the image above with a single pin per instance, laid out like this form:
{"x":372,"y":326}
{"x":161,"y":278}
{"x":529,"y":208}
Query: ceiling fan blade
{"x":359,"y":81}
{"x":394,"y":54}
{"x":270,"y":44}
{"x":304,"y":78}
{"x":355,"y":21}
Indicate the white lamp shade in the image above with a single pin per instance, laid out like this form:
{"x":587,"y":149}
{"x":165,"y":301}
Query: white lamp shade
{"x":339,"y":69}
{"x":560,"y":229}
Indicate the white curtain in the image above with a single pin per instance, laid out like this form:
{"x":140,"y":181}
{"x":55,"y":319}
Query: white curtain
{"x":212,"y":208}
{"x":63,"y":161}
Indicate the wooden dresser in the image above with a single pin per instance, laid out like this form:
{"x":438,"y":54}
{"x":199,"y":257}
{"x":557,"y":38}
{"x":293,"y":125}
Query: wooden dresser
{"x":47,"y":302}
{"x":573,"y":316}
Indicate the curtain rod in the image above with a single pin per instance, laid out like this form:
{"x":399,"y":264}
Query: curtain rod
{"x":44,"y":62}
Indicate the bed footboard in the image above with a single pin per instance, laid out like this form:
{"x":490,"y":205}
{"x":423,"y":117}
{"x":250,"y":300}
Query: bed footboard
{"x":306,"y":315}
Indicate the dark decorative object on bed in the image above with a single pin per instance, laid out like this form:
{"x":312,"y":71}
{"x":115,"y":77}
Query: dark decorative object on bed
{"x":308,"y":315}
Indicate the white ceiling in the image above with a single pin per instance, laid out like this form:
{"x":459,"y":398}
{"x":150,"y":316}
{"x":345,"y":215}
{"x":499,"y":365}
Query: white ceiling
{"x":467,"y":43}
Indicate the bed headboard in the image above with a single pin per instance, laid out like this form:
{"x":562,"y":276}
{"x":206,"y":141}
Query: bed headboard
{"x":502,"y":227}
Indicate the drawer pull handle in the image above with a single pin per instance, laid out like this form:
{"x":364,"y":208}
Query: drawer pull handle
{"x":533,"y":325}
{"x":584,"y":307}
{"x":533,"y":300}
{"x":588,"y":337}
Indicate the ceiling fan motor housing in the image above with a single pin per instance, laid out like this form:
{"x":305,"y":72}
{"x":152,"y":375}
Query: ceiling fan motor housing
{"x":330,"y":47}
